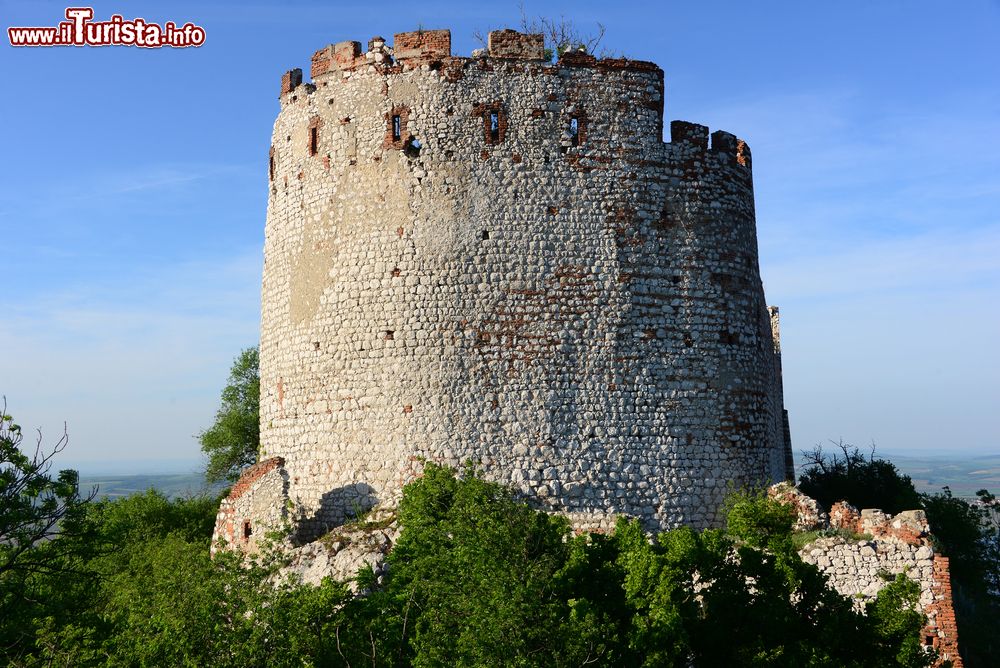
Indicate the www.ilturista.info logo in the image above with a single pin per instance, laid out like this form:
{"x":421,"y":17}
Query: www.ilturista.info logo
{"x":80,"y":30}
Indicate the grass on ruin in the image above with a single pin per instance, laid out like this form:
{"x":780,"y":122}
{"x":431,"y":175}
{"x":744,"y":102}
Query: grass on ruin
{"x":803,"y":538}
{"x":361,"y":524}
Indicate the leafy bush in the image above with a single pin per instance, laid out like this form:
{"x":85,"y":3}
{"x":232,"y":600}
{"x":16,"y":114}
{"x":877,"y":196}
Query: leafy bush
{"x":232,"y":442}
{"x":864,"y":481}
{"x":477,"y":577}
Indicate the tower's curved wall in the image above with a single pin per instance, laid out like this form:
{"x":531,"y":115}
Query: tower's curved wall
{"x":580,"y":315}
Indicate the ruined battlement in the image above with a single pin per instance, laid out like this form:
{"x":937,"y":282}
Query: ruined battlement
{"x":512,"y":66}
{"x":432,"y":49}
{"x":499,"y":258}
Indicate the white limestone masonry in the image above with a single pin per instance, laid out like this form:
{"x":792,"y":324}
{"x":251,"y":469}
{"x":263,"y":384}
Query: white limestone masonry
{"x":499,"y":259}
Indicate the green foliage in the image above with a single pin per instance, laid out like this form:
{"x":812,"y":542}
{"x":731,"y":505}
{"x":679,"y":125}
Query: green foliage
{"x":232,"y":442}
{"x":864,"y":481}
{"x":969,"y":536}
{"x":143,"y":591}
{"x":894,"y":623}
{"x":758,"y":520}
{"x":476,"y":578}
{"x":481,"y":568}
{"x":34,"y":508}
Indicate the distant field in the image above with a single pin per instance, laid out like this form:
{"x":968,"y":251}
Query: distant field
{"x":172,"y":485}
{"x":964,"y":475}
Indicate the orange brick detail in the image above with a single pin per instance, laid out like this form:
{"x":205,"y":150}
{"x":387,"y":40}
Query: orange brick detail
{"x":252,"y":475}
{"x":941,"y":616}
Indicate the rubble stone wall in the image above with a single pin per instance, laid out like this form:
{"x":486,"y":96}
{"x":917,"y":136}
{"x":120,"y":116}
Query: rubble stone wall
{"x":891,"y":545}
{"x":256,"y":505}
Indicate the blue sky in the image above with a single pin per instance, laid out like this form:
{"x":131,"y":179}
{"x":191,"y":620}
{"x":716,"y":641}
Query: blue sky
{"x":133,"y":196}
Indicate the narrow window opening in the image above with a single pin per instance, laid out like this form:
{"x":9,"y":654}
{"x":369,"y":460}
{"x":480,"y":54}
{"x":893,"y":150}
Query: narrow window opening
{"x":495,"y":127}
{"x":484,"y":235}
{"x":247,"y":530}
{"x":313,"y":140}
{"x":270,"y":168}
{"x":397,"y":128}
{"x":574,"y":130}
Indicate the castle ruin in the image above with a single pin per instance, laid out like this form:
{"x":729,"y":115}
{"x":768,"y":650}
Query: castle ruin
{"x":499,"y":259}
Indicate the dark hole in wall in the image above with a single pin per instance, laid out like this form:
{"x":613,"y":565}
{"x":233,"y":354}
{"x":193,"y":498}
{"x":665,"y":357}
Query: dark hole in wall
{"x":389,"y":334}
{"x":397,"y":128}
{"x":313,"y":140}
{"x":270,"y":168}
{"x":484,"y":235}
{"x":247,"y":530}
{"x":574,"y":130}
{"x":412,"y":147}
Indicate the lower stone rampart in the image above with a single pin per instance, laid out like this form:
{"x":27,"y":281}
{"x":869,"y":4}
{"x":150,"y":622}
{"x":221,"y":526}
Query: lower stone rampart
{"x":889,"y":545}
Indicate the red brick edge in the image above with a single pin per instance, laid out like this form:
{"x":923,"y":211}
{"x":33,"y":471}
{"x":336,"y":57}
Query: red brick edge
{"x":252,"y":475}
{"x":942,"y":627}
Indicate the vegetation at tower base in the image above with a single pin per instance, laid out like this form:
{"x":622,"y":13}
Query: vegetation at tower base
{"x":477,"y":578}
{"x":233,"y":441}
{"x":965,"y":531}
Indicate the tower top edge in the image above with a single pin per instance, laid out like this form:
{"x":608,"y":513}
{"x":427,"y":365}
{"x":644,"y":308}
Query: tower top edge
{"x":431,"y":49}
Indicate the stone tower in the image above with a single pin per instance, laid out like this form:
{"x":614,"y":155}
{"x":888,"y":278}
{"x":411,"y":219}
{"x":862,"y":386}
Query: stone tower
{"x":498,"y":258}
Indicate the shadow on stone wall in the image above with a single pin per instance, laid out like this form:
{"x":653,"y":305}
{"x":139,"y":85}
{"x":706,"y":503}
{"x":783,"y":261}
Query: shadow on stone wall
{"x":336,"y":507}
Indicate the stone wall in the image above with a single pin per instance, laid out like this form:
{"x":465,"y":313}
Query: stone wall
{"x":860,"y":568}
{"x":256,"y":505}
{"x":499,"y":259}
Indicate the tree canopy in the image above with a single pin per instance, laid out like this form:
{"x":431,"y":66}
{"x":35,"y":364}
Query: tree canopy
{"x":232,"y":442}
{"x":477,"y":578}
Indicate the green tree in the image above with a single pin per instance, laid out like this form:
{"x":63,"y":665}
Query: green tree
{"x":35,"y":508}
{"x":479,"y":578}
{"x":154,"y":597}
{"x":864,"y":481}
{"x":232,"y":442}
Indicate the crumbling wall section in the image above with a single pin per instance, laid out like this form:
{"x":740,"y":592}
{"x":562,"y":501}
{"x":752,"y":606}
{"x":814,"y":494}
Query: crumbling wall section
{"x":890,"y":545}
{"x":256,"y":504}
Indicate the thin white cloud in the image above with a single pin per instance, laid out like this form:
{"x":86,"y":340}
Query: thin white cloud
{"x":946,"y":259}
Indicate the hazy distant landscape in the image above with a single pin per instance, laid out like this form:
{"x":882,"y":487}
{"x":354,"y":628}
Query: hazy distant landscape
{"x":176,"y":485}
{"x":963,"y":474}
